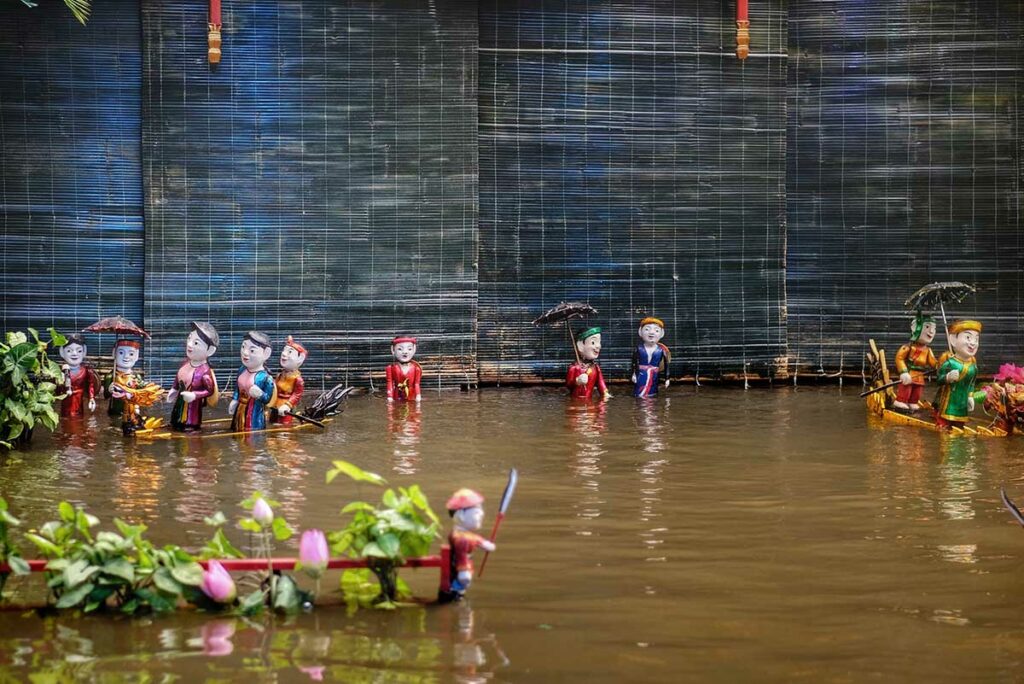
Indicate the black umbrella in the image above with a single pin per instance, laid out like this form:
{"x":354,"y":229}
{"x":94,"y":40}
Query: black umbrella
{"x":565,"y":311}
{"x":936,"y":295}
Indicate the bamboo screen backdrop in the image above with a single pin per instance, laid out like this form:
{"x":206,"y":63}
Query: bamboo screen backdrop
{"x":358,"y":169}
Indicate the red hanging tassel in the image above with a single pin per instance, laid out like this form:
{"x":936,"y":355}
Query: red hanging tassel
{"x":742,"y":30}
{"x":213,"y":36}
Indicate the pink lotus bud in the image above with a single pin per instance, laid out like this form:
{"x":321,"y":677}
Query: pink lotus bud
{"x":262,"y":513}
{"x":313,"y":552}
{"x":217,"y":583}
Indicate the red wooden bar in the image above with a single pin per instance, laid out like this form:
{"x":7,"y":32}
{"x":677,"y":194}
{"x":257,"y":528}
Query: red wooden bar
{"x":442,"y":561}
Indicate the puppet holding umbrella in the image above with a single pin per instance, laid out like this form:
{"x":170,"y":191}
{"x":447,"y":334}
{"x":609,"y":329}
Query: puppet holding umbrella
{"x":124,"y":387}
{"x":584,"y":376}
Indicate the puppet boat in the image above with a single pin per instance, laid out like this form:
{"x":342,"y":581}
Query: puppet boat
{"x":161,"y":431}
{"x":880,"y":403}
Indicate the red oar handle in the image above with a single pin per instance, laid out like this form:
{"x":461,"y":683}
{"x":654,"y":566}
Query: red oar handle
{"x":494,"y":535}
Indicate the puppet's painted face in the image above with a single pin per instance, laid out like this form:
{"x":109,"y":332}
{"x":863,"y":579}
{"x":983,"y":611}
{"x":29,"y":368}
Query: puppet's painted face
{"x":253,"y":355}
{"x":651,"y":333}
{"x":404,"y":351}
{"x":125,"y":357}
{"x":196,"y":349}
{"x":590,"y":348}
{"x":966,"y":343}
{"x":469,"y":518}
{"x":291,"y":358}
{"x":73,"y":354}
{"x":927,"y":333}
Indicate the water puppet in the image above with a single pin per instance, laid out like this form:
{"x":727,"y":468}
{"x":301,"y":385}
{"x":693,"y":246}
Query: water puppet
{"x":254,"y":387}
{"x":914,"y":361}
{"x":289,"y":382}
{"x":956,"y":375}
{"x":403,"y":376}
{"x":195,"y":384}
{"x":1004,"y":398}
{"x":650,"y":358}
{"x":585,"y":375}
{"x":82,"y":384}
{"x":466,"y":510}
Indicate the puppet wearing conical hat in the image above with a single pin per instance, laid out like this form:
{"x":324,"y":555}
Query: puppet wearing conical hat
{"x":466,"y":509}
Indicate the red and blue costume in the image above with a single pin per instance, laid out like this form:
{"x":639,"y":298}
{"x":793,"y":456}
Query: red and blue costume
{"x":647,"y":367}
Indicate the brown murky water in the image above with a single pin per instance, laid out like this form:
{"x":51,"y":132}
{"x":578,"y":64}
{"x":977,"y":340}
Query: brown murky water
{"x":709,"y":534}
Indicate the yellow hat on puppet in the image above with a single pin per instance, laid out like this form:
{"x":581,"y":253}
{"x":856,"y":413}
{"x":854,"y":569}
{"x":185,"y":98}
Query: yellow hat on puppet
{"x":651,"y":320}
{"x":958,"y":327}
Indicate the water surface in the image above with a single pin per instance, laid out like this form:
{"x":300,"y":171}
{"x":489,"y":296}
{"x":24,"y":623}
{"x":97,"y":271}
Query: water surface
{"x":709,"y":534}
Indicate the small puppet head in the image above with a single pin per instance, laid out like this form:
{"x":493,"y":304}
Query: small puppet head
{"x":651,"y":330}
{"x":293,"y":355}
{"x":965,"y":338}
{"x":922,"y":329}
{"x":403,"y":349}
{"x":202,"y":342}
{"x":588,"y":344}
{"x":255,"y":350}
{"x":126,"y":354}
{"x":73,"y":352}
{"x":466,"y":509}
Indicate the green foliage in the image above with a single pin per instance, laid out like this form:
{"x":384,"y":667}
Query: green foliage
{"x":120,"y":570}
{"x":30,"y":383}
{"x":277,"y":591}
{"x":402,"y":526}
{"x":9,"y":552}
{"x":80,"y":8}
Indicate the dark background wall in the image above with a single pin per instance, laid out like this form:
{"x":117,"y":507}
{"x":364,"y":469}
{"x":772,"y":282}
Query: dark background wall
{"x":323,"y":181}
{"x":629,"y":160}
{"x":71,"y":229}
{"x":903,"y":168}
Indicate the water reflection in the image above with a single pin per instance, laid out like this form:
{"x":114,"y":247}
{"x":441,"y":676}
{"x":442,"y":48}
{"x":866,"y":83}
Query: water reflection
{"x":588,"y":422}
{"x":960,"y":476}
{"x":405,"y":425}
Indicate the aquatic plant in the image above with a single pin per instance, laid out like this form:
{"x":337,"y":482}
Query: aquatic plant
{"x":402,"y":526}
{"x":217,"y":584}
{"x":30,"y":383}
{"x":9,"y":552}
{"x":313,"y":555}
{"x":277,"y":590}
{"x":121,"y":570}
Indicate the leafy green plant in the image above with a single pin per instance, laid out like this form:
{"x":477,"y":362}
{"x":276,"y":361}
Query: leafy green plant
{"x":119,"y":569}
{"x":402,"y":526}
{"x":29,"y":385}
{"x":80,"y":8}
{"x":9,"y":552}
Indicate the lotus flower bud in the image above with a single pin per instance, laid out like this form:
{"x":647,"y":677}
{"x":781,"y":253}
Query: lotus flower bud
{"x":313,"y":552}
{"x":217,"y":583}
{"x":262,"y":513}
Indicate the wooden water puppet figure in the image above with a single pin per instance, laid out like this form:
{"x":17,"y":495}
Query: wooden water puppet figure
{"x":914,"y":361}
{"x":195,"y":385}
{"x":466,"y":510}
{"x":126,"y":355}
{"x":403,"y":376}
{"x":585,"y":375}
{"x":650,"y":358}
{"x":956,"y":375}
{"x":289,"y":382}
{"x":82,"y":381}
{"x":254,"y":388}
